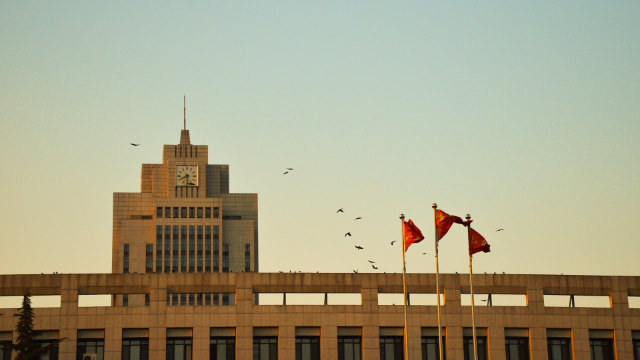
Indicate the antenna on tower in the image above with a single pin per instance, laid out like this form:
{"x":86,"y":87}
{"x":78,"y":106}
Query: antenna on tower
{"x":185,"y":112}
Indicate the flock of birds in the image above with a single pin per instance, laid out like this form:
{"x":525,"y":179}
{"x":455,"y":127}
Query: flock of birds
{"x":341,"y":210}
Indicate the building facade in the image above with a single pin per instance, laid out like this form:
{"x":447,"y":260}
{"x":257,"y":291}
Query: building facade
{"x":365,"y":328}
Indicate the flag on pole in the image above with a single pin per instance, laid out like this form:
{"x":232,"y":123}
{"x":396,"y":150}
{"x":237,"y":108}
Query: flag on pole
{"x":411,"y":234}
{"x":477,"y":242}
{"x":444,"y":222}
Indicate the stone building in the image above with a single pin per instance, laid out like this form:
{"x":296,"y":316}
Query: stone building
{"x":185,"y":285}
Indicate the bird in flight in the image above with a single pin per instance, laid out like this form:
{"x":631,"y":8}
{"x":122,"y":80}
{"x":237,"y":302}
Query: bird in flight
{"x":393,"y":242}
{"x":340,"y":211}
{"x":358,"y":218}
{"x":289,"y":169}
{"x":355,"y":271}
{"x":132,"y":144}
{"x":285,"y":173}
{"x":375,"y":267}
{"x":373,"y":262}
{"x":499,"y":230}
{"x":347,"y":234}
{"x":424,"y":253}
{"x":359,"y":247}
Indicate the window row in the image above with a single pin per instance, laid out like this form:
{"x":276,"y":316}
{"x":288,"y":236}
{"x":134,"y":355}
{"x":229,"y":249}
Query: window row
{"x":222,"y":345}
{"x":184,"y":212}
{"x":182,"y":249}
{"x":206,"y":299}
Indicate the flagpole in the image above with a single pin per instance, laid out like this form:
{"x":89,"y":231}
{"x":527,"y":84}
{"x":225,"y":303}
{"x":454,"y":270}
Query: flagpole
{"x":473,"y":318}
{"x":435,"y":207}
{"x":404,"y":290}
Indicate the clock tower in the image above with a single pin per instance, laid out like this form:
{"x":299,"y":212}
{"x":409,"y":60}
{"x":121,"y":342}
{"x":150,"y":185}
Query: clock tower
{"x":184,"y":219}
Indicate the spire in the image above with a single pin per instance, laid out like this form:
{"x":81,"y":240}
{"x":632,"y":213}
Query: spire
{"x":184,"y":133}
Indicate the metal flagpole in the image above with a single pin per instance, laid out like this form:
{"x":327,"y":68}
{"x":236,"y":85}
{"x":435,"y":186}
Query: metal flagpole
{"x":473,"y":318}
{"x":435,"y":207}
{"x":404,"y":291}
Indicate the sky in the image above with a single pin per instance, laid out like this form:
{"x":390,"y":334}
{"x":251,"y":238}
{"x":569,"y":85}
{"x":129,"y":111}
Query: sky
{"x":526,"y":115}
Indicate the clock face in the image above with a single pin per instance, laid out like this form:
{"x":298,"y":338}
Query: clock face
{"x":186,"y":175}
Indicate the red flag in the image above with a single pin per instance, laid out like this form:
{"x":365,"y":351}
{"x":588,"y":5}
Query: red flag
{"x":411,"y":234}
{"x":477,"y":242}
{"x":444,"y":222}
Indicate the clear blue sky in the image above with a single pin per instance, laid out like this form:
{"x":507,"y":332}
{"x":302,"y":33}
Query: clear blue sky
{"x":525,"y":115}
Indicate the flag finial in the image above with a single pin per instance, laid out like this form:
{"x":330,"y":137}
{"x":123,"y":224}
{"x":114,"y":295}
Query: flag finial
{"x":468,"y":217}
{"x":401,"y":216}
{"x":434,"y":206}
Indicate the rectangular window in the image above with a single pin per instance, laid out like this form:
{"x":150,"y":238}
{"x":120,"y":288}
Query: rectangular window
{"x":247,"y":257}
{"x":207,"y":299}
{"x":90,"y":346}
{"x":431,"y":348}
{"x":481,"y":345}
{"x":149,"y":258}
{"x":176,"y":213}
{"x":135,"y":348}
{"x":183,"y":248}
{"x":207,"y":248}
{"x":199,"y":213}
{"x":225,"y":299}
{"x":53,"y":352}
{"x":125,"y":259}
{"x":517,"y":348}
{"x":216,"y":212}
{"x":601,"y":349}
{"x":167,"y":212}
{"x":225,"y":257}
{"x":200,"y":249}
{"x":158,"y":248}
{"x":183,"y":212}
{"x":192,"y":248}
{"x":192,"y":300}
{"x":216,"y":299}
{"x":192,"y":212}
{"x":307,"y":348}
{"x":222,"y":348}
{"x":5,"y":350}
{"x":179,"y":348}
{"x":207,"y":212}
{"x":391,"y":348}
{"x":349,"y":348}
{"x":559,"y":348}
{"x":147,"y":299}
{"x":175,"y":249}
{"x":167,"y":248}
{"x":159,"y":212}
{"x":183,"y":299}
{"x":265,"y":347}
{"x":199,"y":299}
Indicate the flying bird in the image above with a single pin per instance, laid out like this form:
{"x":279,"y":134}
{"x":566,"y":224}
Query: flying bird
{"x":340,"y":211}
{"x":289,"y":169}
{"x":424,"y":253}
{"x":373,"y":262}
{"x":132,"y":144}
{"x":358,"y":218}
{"x":499,"y":230}
{"x":359,"y":247}
{"x":355,"y":271}
{"x":393,"y":242}
{"x":375,"y":267}
{"x":347,"y":234}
